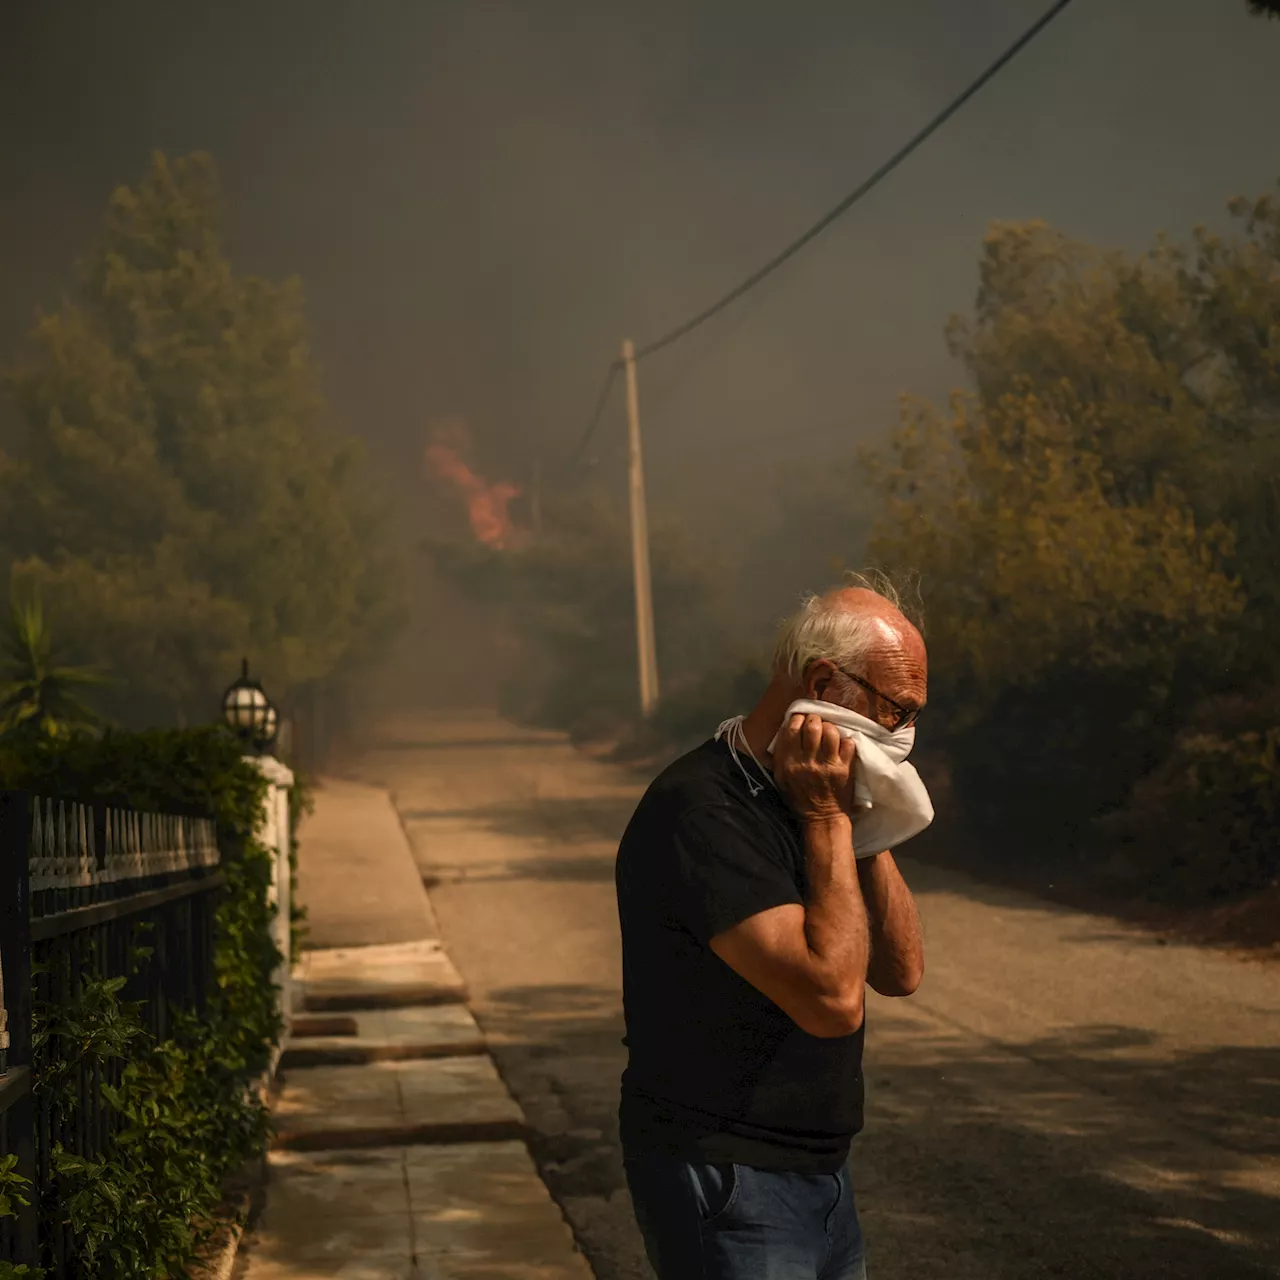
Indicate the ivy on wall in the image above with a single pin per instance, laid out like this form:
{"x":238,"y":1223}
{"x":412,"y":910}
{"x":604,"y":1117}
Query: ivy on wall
{"x":188,"y":1116}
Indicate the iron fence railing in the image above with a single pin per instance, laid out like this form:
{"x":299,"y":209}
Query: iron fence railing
{"x":81,"y":886}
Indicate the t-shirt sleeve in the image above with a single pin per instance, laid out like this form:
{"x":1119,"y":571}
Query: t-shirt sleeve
{"x":726,"y":869}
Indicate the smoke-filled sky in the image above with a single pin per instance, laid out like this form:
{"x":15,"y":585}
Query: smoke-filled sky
{"x":482,"y":198}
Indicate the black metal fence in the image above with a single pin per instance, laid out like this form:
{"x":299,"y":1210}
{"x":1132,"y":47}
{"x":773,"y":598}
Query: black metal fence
{"x":81,"y":886}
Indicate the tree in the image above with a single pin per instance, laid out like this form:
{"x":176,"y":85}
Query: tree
{"x":37,"y":694}
{"x":1173,"y":354}
{"x":176,"y":491}
{"x":1030,"y":566}
{"x":1265,"y":8}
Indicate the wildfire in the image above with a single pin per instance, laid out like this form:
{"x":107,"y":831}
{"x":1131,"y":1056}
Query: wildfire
{"x":486,"y":501}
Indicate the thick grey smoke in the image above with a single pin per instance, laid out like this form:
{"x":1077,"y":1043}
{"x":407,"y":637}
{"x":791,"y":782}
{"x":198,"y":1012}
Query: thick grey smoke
{"x":484,"y":198}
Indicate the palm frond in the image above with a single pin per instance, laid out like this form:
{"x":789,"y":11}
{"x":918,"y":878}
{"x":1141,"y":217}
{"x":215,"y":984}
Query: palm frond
{"x":36,"y":692}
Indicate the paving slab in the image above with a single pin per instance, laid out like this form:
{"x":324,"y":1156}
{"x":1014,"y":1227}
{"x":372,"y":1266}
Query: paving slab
{"x":483,"y":1211}
{"x":391,"y":1102}
{"x":356,"y":873}
{"x":374,"y":1035}
{"x":477,"y":1211}
{"x":381,"y":976}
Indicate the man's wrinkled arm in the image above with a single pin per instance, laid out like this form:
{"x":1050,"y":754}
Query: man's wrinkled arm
{"x":811,"y":960}
{"x":897,"y":945}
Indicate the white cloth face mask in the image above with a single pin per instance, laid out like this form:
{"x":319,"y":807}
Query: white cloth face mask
{"x":891,"y":802}
{"x":895,"y":743}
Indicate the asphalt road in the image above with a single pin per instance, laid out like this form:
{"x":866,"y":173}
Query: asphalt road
{"x":1065,"y":1095}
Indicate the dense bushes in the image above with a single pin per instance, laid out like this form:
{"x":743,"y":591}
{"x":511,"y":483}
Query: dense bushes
{"x":189,"y":1117}
{"x":1033,"y":769}
{"x":1203,"y":825}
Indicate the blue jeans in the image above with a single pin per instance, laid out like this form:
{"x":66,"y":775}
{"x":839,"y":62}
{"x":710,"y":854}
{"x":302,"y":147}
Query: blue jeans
{"x":732,"y":1222}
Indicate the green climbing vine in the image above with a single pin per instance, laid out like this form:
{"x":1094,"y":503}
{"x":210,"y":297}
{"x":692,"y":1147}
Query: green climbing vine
{"x":302,"y":804}
{"x":15,"y":1193}
{"x":186,"y":1114}
{"x":184,"y":1123}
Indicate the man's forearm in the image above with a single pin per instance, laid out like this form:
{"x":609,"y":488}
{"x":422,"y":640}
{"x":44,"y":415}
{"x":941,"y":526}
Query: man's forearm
{"x":896,"y":965}
{"x":836,"y":923}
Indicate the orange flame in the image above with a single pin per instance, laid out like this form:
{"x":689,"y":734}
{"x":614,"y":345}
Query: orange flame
{"x":486,"y":502}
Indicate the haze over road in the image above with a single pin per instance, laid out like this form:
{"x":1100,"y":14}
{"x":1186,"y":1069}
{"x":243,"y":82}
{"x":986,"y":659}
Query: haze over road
{"x":1064,"y":1096}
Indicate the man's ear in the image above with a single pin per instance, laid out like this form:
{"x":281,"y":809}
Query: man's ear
{"x":817,"y":680}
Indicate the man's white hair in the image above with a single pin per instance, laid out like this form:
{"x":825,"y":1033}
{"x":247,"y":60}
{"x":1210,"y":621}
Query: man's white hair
{"x":825,"y":628}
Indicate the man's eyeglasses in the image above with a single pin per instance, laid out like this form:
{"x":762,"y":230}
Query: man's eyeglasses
{"x":906,"y":716}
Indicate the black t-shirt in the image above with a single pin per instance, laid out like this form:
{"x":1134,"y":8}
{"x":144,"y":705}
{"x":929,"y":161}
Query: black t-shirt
{"x":716,"y":1071}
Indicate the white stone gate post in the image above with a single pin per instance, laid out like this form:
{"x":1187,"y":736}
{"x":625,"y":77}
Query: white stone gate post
{"x":275,"y":836}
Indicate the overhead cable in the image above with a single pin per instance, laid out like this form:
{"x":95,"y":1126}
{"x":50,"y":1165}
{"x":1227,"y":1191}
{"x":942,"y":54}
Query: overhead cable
{"x":688,"y":326}
{"x":864,"y":188}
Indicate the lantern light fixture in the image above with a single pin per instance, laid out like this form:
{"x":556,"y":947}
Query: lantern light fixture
{"x":248,"y":711}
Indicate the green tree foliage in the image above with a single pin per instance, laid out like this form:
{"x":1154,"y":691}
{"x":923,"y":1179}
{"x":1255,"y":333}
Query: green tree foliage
{"x":175,"y":492}
{"x":1265,"y":8}
{"x":1030,"y":565}
{"x":38,"y":695}
{"x":1162,"y":367}
{"x":1095,"y":525}
{"x":565,"y":601}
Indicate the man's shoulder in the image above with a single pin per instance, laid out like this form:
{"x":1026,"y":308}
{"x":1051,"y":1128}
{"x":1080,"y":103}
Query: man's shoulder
{"x":698,"y":780}
{"x":700,"y":776}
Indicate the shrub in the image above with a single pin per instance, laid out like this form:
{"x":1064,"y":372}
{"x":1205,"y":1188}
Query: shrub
{"x":1203,"y":824}
{"x":1041,"y":763}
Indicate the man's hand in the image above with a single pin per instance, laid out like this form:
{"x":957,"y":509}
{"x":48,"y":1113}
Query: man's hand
{"x":813,"y":766}
{"x":811,"y":960}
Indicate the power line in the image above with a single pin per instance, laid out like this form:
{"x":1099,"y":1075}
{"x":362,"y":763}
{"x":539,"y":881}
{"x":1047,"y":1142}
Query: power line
{"x":662,"y":392}
{"x":596,"y":414}
{"x":674,"y":335}
{"x":661,"y":396}
{"x":868,"y":185}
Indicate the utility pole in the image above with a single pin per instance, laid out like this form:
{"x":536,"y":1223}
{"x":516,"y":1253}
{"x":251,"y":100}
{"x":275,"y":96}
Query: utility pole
{"x":646,"y":650}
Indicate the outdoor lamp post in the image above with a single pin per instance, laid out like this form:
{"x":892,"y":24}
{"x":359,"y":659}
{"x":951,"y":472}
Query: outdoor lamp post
{"x":248,"y":711}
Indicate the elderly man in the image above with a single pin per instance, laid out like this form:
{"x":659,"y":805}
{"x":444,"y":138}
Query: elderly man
{"x":749,"y":936}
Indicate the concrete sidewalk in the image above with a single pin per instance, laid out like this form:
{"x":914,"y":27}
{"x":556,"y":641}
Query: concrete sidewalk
{"x":398,"y":1151}
{"x":356,"y":875}
{"x":382,"y":975}
{"x":477,"y":1211}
